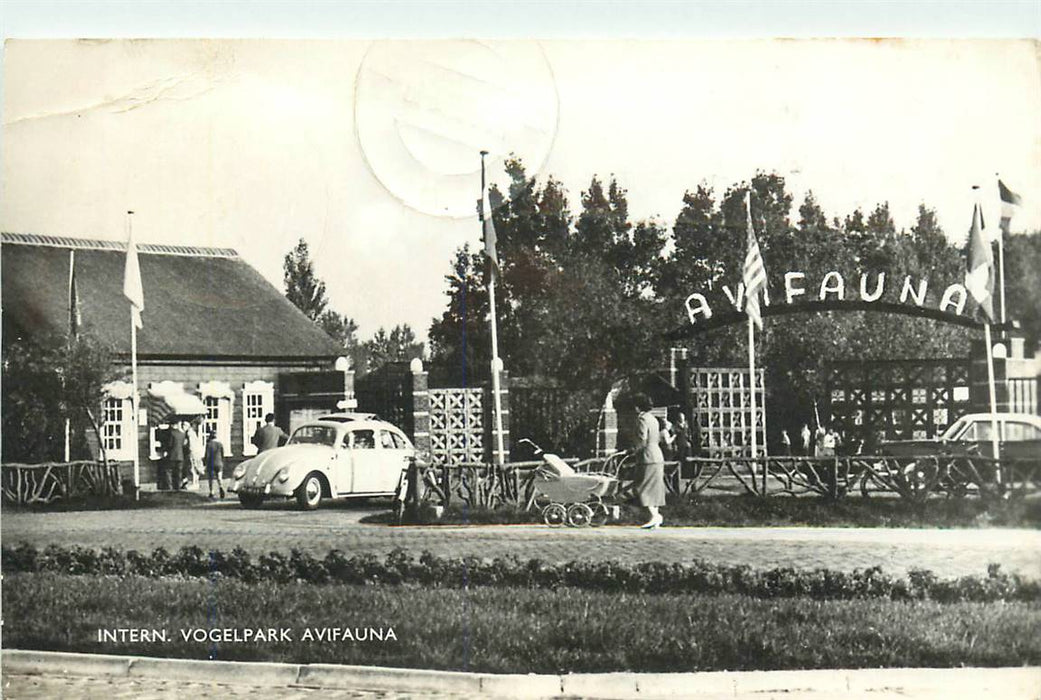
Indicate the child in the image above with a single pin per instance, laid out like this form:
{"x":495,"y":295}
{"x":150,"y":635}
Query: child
{"x":215,"y":463}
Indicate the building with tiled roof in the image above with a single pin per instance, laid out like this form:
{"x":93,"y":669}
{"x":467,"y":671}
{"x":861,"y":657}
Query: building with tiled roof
{"x":214,"y":329}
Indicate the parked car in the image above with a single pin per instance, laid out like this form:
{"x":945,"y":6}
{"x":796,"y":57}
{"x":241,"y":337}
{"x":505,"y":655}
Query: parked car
{"x":1019,"y":437}
{"x":340,"y":455}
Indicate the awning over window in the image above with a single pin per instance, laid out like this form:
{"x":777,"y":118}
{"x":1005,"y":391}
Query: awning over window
{"x":162,"y":408}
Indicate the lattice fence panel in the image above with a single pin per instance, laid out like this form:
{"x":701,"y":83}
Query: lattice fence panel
{"x":457,"y":426}
{"x":896,"y":399}
{"x":722,"y":404}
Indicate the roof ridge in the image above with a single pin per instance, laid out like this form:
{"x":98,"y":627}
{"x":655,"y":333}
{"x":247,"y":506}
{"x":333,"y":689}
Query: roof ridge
{"x":94,"y":244}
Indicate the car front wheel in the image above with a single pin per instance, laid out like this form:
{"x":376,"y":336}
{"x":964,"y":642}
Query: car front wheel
{"x":309,"y":493}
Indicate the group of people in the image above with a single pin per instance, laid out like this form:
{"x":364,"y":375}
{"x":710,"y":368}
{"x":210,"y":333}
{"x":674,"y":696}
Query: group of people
{"x":823,"y":442}
{"x":185,"y":458}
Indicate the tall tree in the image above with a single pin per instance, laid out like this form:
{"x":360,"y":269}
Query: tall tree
{"x":303,"y":287}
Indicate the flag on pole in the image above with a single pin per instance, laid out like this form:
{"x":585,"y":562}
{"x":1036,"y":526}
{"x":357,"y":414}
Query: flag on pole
{"x":489,"y":231}
{"x":979,"y":275}
{"x":132,"y":288}
{"x":754,"y":274}
{"x":75,"y":315}
{"x":1010,"y":201}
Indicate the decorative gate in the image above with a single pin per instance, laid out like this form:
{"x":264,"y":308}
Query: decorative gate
{"x":457,"y":426}
{"x":722,"y":404}
{"x":897,"y":399}
{"x":388,"y":393}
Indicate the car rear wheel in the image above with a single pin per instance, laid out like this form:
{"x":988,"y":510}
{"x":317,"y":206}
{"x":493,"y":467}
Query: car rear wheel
{"x":309,"y":492}
{"x":250,"y":500}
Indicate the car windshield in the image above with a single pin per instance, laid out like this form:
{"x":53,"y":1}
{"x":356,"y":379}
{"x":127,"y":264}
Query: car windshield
{"x":314,"y":435}
{"x":954,"y":430}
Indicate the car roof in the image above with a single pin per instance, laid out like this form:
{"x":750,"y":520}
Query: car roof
{"x":1025,"y":417}
{"x":353,"y":421}
{"x":349,"y":417}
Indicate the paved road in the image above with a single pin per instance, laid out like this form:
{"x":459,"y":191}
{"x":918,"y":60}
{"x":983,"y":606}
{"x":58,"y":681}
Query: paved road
{"x":225,"y":525}
{"x":25,"y":687}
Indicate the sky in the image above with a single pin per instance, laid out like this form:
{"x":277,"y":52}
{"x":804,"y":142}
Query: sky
{"x":369,"y":148}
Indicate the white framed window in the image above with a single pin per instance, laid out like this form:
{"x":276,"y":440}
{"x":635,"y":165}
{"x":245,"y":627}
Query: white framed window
{"x":117,"y":421}
{"x":258,"y":400}
{"x":219,"y":400}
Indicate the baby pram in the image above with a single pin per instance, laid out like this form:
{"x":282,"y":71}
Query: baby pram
{"x":566,"y":497}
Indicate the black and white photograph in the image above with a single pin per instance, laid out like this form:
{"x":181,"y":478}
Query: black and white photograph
{"x":460,"y":350}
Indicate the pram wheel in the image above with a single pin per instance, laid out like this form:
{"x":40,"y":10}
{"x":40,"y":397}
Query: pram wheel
{"x":601,"y":513}
{"x":554,"y":515}
{"x":579,"y":515}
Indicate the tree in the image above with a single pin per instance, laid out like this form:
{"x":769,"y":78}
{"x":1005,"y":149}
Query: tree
{"x":461,"y":336}
{"x":574,"y":307}
{"x":1023,"y":283}
{"x":303,"y":287}
{"x":47,"y":381}
{"x":399,"y":345}
{"x":344,"y":331}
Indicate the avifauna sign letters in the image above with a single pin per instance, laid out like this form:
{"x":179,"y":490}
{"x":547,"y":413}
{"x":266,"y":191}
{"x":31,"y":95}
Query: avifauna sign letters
{"x":833,"y":294}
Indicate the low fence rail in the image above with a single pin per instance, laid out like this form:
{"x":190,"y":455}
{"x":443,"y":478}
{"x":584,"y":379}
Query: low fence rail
{"x":911,"y":478}
{"x":52,"y":481}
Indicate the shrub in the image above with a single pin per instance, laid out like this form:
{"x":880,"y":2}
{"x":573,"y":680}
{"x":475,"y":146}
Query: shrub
{"x":400,"y":567}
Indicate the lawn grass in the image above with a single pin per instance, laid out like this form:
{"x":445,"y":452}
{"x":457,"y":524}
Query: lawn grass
{"x":519,"y":630}
{"x":779,"y":511}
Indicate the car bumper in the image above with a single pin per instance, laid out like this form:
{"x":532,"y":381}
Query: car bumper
{"x":269,"y":489}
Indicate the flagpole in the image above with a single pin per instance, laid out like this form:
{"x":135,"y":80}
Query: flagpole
{"x":1001,"y":270}
{"x":135,"y":438}
{"x":992,"y":389}
{"x":995,"y":449}
{"x":72,"y":268}
{"x":500,"y":451}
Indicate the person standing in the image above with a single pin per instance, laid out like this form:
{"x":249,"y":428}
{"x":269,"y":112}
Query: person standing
{"x":786,"y":443}
{"x":196,"y":448}
{"x":804,"y":436}
{"x":681,"y":447}
{"x":268,"y":436}
{"x":163,"y":478}
{"x":650,"y":477}
{"x":214,"y":461}
{"x":175,"y":449}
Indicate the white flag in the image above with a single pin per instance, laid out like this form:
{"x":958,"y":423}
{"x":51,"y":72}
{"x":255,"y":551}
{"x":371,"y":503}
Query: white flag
{"x":132,"y":288}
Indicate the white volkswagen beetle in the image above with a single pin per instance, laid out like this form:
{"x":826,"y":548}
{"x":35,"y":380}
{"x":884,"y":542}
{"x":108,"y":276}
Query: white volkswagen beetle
{"x":340,"y":455}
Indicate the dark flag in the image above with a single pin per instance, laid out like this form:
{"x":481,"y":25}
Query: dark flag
{"x":1010,"y":201}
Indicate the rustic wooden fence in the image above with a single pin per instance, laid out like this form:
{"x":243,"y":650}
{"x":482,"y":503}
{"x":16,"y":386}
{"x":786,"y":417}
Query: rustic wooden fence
{"x":49,"y":482}
{"x":912,"y":479}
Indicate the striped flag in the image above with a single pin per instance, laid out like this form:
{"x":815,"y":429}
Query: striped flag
{"x":489,"y":231}
{"x":1010,"y":201}
{"x":754,"y":274}
{"x":132,"y":288}
{"x":979,"y":275}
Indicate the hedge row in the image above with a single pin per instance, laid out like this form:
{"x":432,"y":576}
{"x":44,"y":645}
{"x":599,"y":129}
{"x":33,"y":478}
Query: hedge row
{"x":399,"y":567}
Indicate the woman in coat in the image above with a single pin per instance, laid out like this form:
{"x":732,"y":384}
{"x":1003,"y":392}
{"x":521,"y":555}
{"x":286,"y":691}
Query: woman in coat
{"x":649,"y":485}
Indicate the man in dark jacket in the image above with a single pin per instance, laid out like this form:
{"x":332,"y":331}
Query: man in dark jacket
{"x":175,"y":448}
{"x":268,"y":436}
